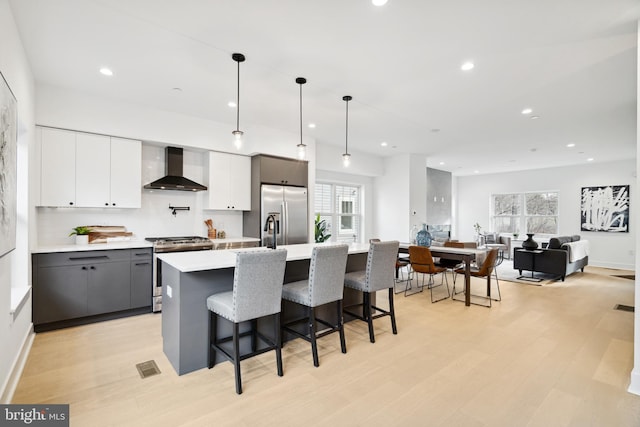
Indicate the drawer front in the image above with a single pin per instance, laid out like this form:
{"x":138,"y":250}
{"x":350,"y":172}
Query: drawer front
{"x":141,"y":254}
{"x":84,"y":257}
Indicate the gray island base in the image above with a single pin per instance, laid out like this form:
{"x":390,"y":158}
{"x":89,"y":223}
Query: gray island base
{"x":188,"y":278}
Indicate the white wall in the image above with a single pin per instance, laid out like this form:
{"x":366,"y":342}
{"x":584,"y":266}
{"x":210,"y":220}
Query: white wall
{"x":15,"y":266}
{"x":329,"y":158}
{"x":614,"y":250}
{"x":72,"y":110}
{"x":392,"y":200}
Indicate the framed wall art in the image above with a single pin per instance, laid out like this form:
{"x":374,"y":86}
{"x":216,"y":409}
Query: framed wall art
{"x":605,"y":208}
{"x":8,"y":160}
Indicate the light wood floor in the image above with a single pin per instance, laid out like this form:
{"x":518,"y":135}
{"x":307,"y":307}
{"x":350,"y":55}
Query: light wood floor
{"x":553,"y":355}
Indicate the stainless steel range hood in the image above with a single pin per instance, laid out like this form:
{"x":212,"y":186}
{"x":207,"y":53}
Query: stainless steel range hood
{"x":173,"y":179}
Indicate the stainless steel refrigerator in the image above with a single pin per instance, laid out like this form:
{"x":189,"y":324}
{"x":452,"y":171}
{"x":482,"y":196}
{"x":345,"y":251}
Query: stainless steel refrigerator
{"x":288,"y":205}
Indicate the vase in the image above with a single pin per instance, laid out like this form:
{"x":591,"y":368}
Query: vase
{"x":530,"y":244}
{"x":82,"y":239}
{"x":423,"y":237}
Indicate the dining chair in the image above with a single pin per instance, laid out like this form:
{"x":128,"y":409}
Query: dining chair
{"x":422,"y":262}
{"x":487,"y":268}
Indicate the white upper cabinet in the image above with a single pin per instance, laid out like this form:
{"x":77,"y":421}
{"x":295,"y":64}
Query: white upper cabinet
{"x":229,"y":186}
{"x":88,"y":170}
{"x":126,"y":173}
{"x":58,"y":167}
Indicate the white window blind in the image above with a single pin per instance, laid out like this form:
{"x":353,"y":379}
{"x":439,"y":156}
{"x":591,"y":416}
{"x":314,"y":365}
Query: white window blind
{"x":339,"y":206}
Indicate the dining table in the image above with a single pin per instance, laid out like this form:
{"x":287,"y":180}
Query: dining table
{"x":460,"y":254}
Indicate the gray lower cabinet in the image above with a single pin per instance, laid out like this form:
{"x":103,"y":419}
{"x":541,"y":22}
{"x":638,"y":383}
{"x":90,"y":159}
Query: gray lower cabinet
{"x":74,"y":285}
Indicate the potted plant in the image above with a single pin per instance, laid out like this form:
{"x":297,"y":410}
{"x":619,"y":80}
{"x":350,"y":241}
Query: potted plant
{"x":321,"y":229}
{"x":82,"y":234}
{"x":515,"y":235}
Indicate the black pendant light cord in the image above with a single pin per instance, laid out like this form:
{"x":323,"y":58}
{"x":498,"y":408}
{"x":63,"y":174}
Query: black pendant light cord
{"x":301,"y":113}
{"x":238,"y":101}
{"x":347,"y":98}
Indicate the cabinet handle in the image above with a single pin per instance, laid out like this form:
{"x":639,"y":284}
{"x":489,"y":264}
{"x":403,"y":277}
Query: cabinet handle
{"x":142,"y":254}
{"x":106,"y":204}
{"x":84,"y":268}
{"x":143,"y":263}
{"x":113,"y":204}
{"x":72,"y":258}
{"x":71,"y":203}
{"x":92,"y":267}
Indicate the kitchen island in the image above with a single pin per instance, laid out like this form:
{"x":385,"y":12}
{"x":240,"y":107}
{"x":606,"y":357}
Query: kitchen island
{"x":190,"y":277}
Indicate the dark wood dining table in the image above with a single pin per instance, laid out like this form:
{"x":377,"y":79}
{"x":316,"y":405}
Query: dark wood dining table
{"x":460,"y":254}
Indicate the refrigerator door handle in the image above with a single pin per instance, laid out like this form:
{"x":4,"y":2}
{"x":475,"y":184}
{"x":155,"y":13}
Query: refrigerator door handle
{"x":285,"y":224}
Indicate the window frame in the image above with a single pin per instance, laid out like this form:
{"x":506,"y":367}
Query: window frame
{"x":337,"y":233}
{"x":522,"y":220}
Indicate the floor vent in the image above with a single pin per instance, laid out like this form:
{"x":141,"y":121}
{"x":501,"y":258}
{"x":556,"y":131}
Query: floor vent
{"x":147,"y":369}
{"x":624,"y":308}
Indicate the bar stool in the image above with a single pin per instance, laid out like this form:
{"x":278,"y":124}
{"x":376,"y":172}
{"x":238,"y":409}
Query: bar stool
{"x":257,"y":292}
{"x":379,"y":274}
{"x":325,"y":285}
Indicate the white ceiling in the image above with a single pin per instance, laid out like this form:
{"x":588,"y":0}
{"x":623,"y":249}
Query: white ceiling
{"x":572,"y":61}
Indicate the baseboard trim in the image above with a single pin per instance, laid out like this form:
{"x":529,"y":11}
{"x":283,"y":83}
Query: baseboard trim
{"x":634,"y":386}
{"x":10,"y":385}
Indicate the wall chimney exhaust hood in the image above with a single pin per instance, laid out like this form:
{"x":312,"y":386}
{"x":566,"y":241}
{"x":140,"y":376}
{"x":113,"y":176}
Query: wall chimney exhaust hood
{"x":173,"y":179}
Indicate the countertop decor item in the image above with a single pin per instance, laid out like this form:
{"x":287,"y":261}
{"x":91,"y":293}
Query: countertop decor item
{"x":423,"y":238}
{"x":530,"y":244}
{"x":82,"y":234}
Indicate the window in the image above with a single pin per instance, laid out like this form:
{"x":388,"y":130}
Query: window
{"x":534,"y":212}
{"x":339,"y":205}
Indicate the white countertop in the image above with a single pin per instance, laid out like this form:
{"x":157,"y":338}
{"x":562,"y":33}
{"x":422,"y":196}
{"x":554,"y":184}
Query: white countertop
{"x":234,"y":240}
{"x":131,"y":244}
{"x":211,"y":260}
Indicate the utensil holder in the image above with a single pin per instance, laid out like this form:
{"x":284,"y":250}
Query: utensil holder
{"x":212,"y":233}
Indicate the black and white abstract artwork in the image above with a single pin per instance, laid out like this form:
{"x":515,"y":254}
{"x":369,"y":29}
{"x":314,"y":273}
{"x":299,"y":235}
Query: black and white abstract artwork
{"x":8,"y":159}
{"x":605,"y":209}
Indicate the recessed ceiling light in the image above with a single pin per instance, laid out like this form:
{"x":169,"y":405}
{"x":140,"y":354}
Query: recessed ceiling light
{"x":106,"y":71}
{"x":384,"y":144}
{"x":590,"y":159}
{"x":232,"y":104}
{"x":312,"y":125}
{"x":379,"y":2}
{"x":527,"y":111}
{"x":476,"y":171}
{"x":441,"y":163}
{"x":467,"y":66}
{"x":571,"y":145}
{"x":535,"y":117}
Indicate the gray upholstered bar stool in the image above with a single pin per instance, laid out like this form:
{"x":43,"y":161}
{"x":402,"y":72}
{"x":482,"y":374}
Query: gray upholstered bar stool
{"x":325,"y":285}
{"x":257,"y":292}
{"x":379,"y":274}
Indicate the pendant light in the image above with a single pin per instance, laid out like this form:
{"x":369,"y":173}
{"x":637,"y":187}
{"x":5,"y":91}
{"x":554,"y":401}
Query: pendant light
{"x":302,"y":148}
{"x":237,"y":134}
{"x":346,"y":157}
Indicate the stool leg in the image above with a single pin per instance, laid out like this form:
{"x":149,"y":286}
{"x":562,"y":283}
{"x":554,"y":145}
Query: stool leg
{"x":277,"y":340}
{"x":212,"y":338}
{"x":392,"y":313}
{"x":343,"y":344}
{"x":236,"y":357}
{"x":312,"y":336}
{"x":367,"y":296}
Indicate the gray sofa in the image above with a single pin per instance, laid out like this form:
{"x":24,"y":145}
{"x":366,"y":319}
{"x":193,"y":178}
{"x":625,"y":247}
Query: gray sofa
{"x":554,"y":259}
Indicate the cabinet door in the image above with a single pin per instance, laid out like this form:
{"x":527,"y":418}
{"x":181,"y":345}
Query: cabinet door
{"x":92,"y":170}
{"x":218,"y":189}
{"x":274,"y":170}
{"x":58,"y":167}
{"x":126,"y":173}
{"x":108,"y":287}
{"x":60,"y":293}
{"x":240,"y":183}
{"x":141,"y":278}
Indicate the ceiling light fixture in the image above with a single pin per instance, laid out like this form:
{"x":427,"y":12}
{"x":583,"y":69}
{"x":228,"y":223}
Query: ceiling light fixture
{"x":384,"y":144}
{"x":534,"y":117}
{"x":571,"y":145}
{"x":312,"y":125}
{"x":302,"y":148}
{"x":467,"y":66}
{"x":527,"y":111}
{"x":379,"y":2}
{"x":590,"y":159}
{"x":106,"y":71}
{"x":237,"y":134}
{"x":346,"y":157}
{"x":232,"y":104}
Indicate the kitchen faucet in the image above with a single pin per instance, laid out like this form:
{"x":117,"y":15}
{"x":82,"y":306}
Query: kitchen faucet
{"x":271,"y":221}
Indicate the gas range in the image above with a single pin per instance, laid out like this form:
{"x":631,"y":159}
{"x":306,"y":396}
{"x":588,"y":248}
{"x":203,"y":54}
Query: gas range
{"x":172,"y":244}
{"x":180,"y":244}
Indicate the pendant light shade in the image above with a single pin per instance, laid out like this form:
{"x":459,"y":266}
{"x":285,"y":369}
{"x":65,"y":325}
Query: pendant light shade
{"x":346,"y":157}
{"x":237,"y":134}
{"x":302,"y":148}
